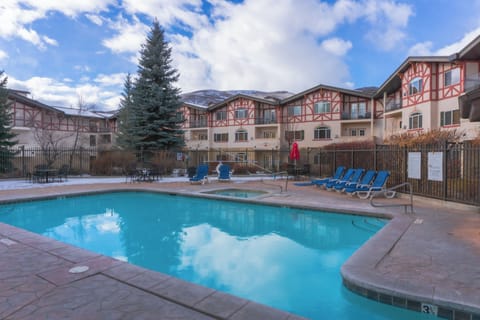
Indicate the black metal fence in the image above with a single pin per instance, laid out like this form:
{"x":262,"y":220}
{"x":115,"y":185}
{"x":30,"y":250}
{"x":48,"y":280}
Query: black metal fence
{"x":449,"y":172}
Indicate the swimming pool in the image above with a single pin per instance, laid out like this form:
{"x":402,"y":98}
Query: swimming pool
{"x":284,"y":257}
{"x":237,"y":193}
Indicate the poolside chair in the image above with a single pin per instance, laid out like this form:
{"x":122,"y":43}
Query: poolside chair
{"x":365,"y":191}
{"x":201,"y":176}
{"x":348,"y":174}
{"x":224,"y":173}
{"x":340,"y":185}
{"x":338,"y":174}
{"x":365,"y":181}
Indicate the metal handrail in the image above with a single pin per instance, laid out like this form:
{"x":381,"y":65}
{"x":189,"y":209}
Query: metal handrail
{"x":390,"y":193}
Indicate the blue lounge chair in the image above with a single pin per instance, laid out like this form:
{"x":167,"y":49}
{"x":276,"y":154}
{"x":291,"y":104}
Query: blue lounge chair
{"x":340,"y":185}
{"x":338,"y":174}
{"x":346,"y":177}
{"x":365,"y":181}
{"x":365,"y":191}
{"x":224,"y":172}
{"x":201,"y":176}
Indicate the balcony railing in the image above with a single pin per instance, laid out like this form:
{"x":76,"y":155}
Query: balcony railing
{"x":472,"y":82}
{"x":355,"y":116}
{"x":391,"y":106}
{"x":265,"y":120}
{"x":198,"y":123}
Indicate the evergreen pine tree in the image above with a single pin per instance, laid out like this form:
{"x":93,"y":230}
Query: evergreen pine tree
{"x":156,"y":99}
{"x":126,"y":137}
{"x":6,"y":134}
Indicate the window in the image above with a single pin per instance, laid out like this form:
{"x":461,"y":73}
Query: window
{"x":448,"y":118}
{"x":415,"y":86}
{"x":294,"y":110}
{"x":268,"y":134}
{"x":451,"y":77}
{"x":294,"y":135}
{"x":221,"y":115}
{"x":321,"y":133}
{"x":241,"y":157}
{"x":357,"y":132}
{"x":358,"y":110}
{"x":179,"y":116}
{"x":220,"y":137}
{"x":202,"y":136}
{"x":241,"y":136}
{"x":105,"y":139}
{"x":93,"y":141}
{"x":415,"y":121}
{"x":241,"y":114}
{"x":322,"y":107}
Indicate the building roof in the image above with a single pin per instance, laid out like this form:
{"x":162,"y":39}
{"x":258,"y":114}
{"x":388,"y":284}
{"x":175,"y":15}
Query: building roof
{"x":393,"y":82}
{"x":21,"y":96}
{"x":363,"y":92}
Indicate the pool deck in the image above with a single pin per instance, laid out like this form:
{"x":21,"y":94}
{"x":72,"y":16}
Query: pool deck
{"x":426,"y":260}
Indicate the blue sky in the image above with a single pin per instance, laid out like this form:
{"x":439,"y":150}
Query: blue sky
{"x":68,"y":51}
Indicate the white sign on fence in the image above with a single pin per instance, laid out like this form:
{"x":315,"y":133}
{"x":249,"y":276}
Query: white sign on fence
{"x":414,"y":165}
{"x":435,"y":166}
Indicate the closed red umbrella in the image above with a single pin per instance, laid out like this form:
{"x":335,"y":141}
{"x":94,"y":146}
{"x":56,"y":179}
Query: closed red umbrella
{"x":294,"y":153}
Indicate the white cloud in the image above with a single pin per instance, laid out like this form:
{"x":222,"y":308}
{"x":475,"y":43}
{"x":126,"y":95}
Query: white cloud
{"x":67,"y":94}
{"x":337,"y":46}
{"x":94,"y":18}
{"x":388,"y":20}
{"x":130,"y":36}
{"x":421,"y":49}
{"x":426,"y":48}
{"x":3,"y":55}
{"x":457,"y":46}
{"x":116,"y":79}
{"x":16,"y":15}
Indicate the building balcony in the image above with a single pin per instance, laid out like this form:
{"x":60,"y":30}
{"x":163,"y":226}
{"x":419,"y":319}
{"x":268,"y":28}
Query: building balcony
{"x":356,"y":116}
{"x":392,"y":106}
{"x":472,"y":82}
{"x":266,"y":121}
{"x":198,"y":124}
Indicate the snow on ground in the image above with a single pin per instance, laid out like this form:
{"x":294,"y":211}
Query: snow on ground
{"x":13,"y":184}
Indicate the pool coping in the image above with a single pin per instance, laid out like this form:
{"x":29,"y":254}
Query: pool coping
{"x":357,"y":272}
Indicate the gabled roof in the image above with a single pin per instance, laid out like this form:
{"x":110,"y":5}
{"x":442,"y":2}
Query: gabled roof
{"x":272,"y":98}
{"x":15,"y":95}
{"x":357,"y":92}
{"x":393,"y":83}
{"x":470,"y":52}
{"x":20,"y":96}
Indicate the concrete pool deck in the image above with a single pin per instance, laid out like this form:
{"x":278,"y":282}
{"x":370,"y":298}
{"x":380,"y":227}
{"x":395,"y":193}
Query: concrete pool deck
{"x":427,"y":260}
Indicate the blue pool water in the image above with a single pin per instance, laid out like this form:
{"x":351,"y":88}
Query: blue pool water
{"x":237,"y":193}
{"x":283,"y":257}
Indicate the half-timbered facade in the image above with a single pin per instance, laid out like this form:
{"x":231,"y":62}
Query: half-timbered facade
{"x":35,"y":122}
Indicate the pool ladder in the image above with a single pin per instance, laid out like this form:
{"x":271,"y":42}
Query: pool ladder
{"x":390,"y":194}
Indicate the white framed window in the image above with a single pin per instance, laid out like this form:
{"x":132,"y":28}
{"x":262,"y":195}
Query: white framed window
{"x":322,"y":107}
{"x":202,"y":136}
{"x":451,"y":117}
{"x":357,"y":132}
{"x":268,"y":134}
{"x":294,"y":135}
{"x":321,"y":133}
{"x":241,"y":114}
{"x":415,"y":121}
{"x":220,"y":137}
{"x":294,"y":111}
{"x":415,"y":86}
{"x":451,"y":77}
{"x":221,"y":115}
{"x":241,"y":136}
{"x":358,"y":110}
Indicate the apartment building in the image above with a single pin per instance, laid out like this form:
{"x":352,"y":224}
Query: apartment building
{"x":422,"y":94}
{"x":36,"y":123}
